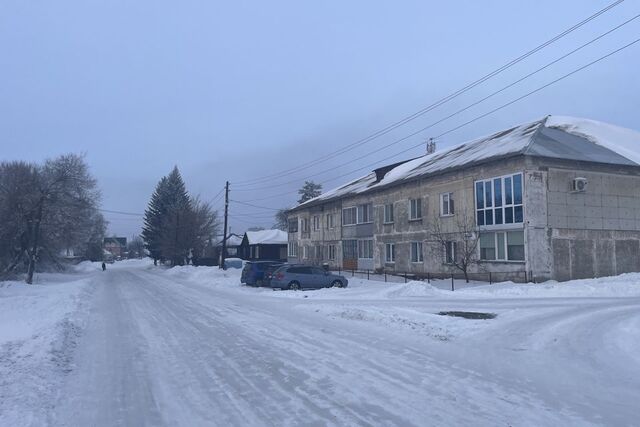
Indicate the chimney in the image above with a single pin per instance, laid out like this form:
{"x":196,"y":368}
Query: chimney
{"x":431,"y":146}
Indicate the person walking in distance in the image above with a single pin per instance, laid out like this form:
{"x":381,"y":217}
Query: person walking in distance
{"x":104,"y":266}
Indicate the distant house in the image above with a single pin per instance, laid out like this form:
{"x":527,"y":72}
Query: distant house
{"x":116,"y":246}
{"x":264,"y":245}
{"x":233,"y":244}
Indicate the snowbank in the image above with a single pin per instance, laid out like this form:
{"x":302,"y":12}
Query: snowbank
{"x":39,"y":327}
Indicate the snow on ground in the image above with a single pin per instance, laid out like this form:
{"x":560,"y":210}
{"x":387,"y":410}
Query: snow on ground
{"x":145,"y":345}
{"x":39,"y":328}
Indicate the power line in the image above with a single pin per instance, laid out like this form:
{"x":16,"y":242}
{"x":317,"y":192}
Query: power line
{"x":478,"y":117}
{"x":120,"y":212}
{"x":456,"y":112}
{"x":253,"y":206}
{"x":435,"y":104}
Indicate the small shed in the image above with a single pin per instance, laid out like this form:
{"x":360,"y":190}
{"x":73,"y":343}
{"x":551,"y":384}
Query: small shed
{"x":267,"y":245}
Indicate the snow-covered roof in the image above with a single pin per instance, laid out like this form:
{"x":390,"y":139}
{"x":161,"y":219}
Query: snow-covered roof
{"x":232,"y":240}
{"x":267,"y":237}
{"x":553,"y":136}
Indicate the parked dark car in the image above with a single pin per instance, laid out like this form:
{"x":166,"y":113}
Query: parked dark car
{"x":269,"y":271}
{"x":296,"y":277}
{"x":254,"y":271}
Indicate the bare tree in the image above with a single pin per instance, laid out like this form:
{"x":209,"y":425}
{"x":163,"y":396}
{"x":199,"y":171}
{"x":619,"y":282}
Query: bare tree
{"x":281,"y":220}
{"x":458,"y":248}
{"x":54,"y":207}
{"x":135,"y":247}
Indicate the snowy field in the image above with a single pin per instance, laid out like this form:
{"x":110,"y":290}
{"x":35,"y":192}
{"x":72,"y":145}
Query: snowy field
{"x":140,"y":345}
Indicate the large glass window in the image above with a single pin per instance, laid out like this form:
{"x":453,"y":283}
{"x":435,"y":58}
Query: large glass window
{"x":349,"y":216}
{"x":365,"y":249}
{"x":502,"y":246}
{"x":388,"y":213}
{"x":415,"y":211}
{"x":499,"y":201}
{"x":416,"y":252}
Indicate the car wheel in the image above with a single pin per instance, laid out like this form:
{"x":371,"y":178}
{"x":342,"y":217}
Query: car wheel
{"x":294,"y":286}
{"x":336,"y":284}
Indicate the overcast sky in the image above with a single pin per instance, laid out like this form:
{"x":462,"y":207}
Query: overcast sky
{"x":238,"y":90}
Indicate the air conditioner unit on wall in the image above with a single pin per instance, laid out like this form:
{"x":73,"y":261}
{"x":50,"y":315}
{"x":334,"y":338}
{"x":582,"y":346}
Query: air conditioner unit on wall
{"x":579,"y":184}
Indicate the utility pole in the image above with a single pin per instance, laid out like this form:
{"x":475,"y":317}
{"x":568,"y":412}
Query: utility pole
{"x":226,"y":215}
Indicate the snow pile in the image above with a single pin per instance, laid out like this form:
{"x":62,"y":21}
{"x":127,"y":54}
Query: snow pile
{"x":39,"y":328}
{"x":87,"y":267}
{"x":625,"y":285}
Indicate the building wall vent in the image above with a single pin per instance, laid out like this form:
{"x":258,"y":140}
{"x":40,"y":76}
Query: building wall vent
{"x":579,"y":184}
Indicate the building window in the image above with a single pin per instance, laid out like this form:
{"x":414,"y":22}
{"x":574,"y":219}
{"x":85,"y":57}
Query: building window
{"x":349,"y":216}
{"x":502,"y":246}
{"x":450,"y":249}
{"x":364,"y":214}
{"x":293,"y":225}
{"x":415,"y":209}
{"x":365,"y":249}
{"x":331,"y":252}
{"x":388,"y":213}
{"x":330,"y":223}
{"x":292,"y":249}
{"x":416,"y":252}
{"x":389,"y":252}
{"x":304,"y":224}
{"x":499,"y":200}
{"x":350,"y":249}
{"x":316,"y":222}
{"x":305,"y":252}
{"x":446,"y":204}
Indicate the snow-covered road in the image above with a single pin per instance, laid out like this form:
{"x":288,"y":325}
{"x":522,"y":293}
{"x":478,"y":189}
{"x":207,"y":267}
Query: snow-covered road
{"x":187,"y":347}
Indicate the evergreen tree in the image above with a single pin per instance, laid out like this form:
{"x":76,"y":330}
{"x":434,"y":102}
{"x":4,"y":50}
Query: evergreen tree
{"x":153,"y":218}
{"x":309,"y":190}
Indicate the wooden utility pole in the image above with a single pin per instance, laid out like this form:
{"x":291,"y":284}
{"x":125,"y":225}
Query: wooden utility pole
{"x":226,"y":215}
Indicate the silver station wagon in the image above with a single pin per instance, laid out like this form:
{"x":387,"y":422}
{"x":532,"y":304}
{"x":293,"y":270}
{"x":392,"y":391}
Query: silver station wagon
{"x":296,"y":277}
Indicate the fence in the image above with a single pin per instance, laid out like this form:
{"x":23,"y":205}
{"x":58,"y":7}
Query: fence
{"x":491,"y":277}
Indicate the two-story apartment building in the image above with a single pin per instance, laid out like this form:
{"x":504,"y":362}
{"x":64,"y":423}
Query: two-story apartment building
{"x":558,"y":198}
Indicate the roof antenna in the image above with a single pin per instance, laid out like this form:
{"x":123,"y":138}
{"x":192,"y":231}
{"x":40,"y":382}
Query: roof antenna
{"x":431,"y":146}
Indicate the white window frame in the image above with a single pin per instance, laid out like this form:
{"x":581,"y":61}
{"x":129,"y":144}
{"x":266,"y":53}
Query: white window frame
{"x":292,"y":250}
{"x":354,"y":209}
{"x":304,"y":225}
{"x":365,"y":208}
{"x":501,"y":236}
{"x":417,"y":204}
{"x":365,"y":249}
{"x":388,"y":214}
{"x":503,"y":201}
{"x":316,"y":222}
{"x":389,"y":253}
{"x":446,"y":204}
{"x":305,"y":252}
{"x":418,"y":252}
